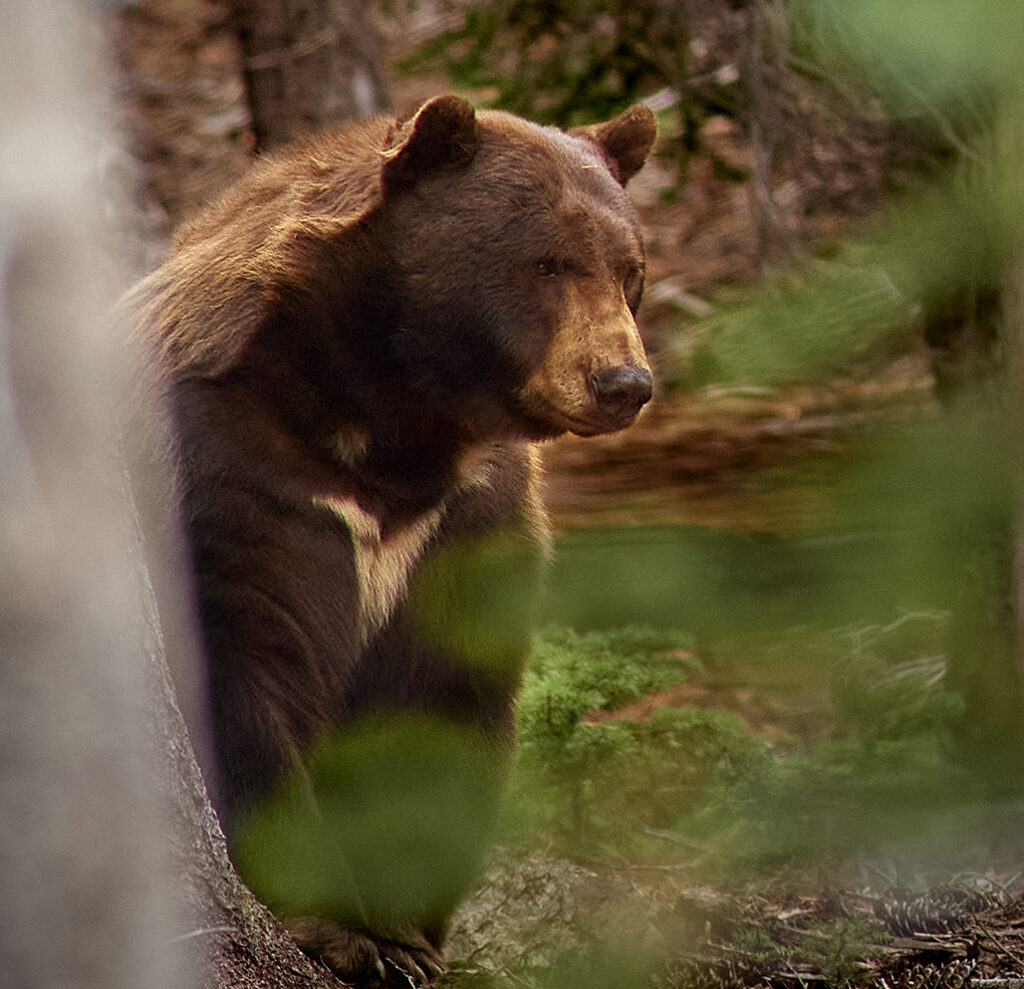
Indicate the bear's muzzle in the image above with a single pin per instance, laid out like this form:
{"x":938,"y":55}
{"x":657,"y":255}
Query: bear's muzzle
{"x":622,"y":390}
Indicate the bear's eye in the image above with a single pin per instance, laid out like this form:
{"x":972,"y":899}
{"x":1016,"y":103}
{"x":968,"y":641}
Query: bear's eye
{"x":633,"y":287}
{"x":548,"y":267}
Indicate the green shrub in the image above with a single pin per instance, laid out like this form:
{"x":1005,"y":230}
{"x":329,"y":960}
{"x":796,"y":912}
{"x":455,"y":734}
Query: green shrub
{"x":593,"y":785}
{"x":694,"y":782}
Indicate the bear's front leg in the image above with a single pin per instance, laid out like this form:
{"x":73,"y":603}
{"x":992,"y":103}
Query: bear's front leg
{"x":365,"y":850}
{"x":360,"y":958}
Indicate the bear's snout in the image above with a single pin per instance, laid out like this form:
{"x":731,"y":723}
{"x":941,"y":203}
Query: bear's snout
{"x":622,"y":390}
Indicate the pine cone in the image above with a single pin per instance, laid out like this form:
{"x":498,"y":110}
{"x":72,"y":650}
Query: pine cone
{"x":938,"y":911}
{"x":955,"y":974}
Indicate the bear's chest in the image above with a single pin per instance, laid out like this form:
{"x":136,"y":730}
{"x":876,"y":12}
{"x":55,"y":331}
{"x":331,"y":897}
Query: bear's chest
{"x":383,"y":563}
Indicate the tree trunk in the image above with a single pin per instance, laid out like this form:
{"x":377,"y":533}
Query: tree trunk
{"x":765,"y":48}
{"x":85,"y":885}
{"x":233,"y":939}
{"x":115,"y":870}
{"x":309,"y":64}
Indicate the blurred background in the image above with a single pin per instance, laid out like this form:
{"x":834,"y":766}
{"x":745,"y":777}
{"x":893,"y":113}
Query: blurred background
{"x":773,"y":733}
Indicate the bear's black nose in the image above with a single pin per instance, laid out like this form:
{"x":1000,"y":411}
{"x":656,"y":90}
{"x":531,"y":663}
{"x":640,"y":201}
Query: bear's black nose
{"x":621,"y":390}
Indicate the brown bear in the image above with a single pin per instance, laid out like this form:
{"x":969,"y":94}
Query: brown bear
{"x":361,"y":341}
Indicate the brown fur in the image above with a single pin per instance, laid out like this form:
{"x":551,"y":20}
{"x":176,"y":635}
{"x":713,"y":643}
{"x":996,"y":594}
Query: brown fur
{"x":360,"y":341}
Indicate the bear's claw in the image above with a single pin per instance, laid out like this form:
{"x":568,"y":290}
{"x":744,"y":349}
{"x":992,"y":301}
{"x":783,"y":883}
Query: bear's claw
{"x":359,"y":958}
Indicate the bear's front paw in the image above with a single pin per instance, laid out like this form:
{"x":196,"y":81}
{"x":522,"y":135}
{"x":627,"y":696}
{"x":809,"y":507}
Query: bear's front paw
{"x":362,"y":959}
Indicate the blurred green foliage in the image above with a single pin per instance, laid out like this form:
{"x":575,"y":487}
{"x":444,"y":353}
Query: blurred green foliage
{"x":929,"y":514}
{"x":476,"y":600}
{"x":890,"y":776}
{"x":840,"y":311}
{"x":959,"y":69}
{"x":922,"y":55}
{"x":594,"y":966}
{"x":383,"y":825}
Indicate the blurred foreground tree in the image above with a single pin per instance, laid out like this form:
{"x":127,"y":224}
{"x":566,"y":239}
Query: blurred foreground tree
{"x":80,"y":839}
{"x":115,"y":872}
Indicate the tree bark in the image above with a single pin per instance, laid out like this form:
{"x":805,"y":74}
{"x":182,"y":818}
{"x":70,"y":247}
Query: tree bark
{"x":761,"y":66}
{"x":233,"y":940}
{"x":115,"y":871}
{"x":309,"y":64}
{"x":85,"y":885}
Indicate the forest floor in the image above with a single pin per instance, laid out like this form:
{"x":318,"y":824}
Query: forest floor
{"x":692,"y":459}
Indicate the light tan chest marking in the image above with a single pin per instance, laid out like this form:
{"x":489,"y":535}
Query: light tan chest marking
{"x":383,"y":565}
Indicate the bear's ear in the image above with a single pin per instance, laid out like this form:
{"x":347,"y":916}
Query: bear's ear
{"x":442,"y":134}
{"x":626,"y":141}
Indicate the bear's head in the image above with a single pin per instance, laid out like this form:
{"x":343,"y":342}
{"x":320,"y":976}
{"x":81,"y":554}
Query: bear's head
{"x":461,"y":275}
{"x":520,"y":265}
